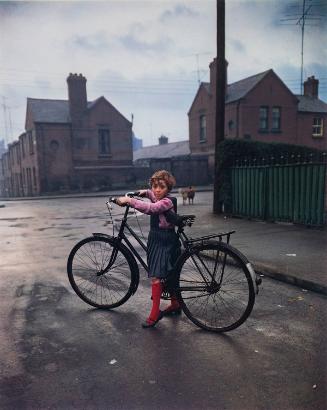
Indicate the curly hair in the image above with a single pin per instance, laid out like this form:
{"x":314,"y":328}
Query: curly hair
{"x":164,"y":176}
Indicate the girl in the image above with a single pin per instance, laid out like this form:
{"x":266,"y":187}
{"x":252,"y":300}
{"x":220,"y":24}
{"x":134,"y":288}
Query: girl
{"x":163,"y":243}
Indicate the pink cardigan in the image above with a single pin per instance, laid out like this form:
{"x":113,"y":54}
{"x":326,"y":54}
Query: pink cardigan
{"x":154,"y":207}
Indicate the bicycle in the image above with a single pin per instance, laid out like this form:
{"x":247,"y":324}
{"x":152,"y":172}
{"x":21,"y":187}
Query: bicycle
{"x":214,"y":282}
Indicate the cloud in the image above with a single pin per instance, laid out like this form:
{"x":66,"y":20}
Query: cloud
{"x":145,"y":56}
{"x":136,"y":45}
{"x":94,"y":42}
{"x":180,"y":10}
{"x":237,"y":45}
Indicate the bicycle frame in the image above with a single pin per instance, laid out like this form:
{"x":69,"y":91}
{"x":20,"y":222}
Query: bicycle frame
{"x":122,"y":237}
{"x":187,"y":244}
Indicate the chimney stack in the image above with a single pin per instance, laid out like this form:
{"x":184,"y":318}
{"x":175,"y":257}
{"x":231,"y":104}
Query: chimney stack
{"x":77,"y":97}
{"x":213,"y":75}
{"x":163,"y":140}
{"x":311,"y":86}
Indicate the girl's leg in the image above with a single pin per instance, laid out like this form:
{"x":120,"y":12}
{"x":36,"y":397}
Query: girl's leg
{"x":155,"y":314}
{"x":174,"y":308}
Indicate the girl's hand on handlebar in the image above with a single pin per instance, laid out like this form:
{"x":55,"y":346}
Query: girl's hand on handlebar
{"x":142,"y":192}
{"x":123,"y":200}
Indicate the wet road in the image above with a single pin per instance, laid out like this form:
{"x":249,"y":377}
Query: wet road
{"x":57,"y":352}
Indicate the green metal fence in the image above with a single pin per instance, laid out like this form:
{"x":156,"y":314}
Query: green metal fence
{"x":287,"y":192}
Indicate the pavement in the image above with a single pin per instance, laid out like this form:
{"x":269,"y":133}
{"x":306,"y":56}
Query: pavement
{"x":290,"y":253}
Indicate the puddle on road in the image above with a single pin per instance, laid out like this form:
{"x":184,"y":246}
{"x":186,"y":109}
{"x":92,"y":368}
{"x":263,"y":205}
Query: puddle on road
{"x":18,"y":226}
{"x":16,"y":219}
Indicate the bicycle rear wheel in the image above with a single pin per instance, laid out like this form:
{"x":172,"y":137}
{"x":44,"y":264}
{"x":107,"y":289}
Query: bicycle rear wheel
{"x":101,"y":272}
{"x":215,"y":288}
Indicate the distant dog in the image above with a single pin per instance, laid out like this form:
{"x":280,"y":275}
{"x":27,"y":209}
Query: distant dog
{"x":183,"y":193}
{"x":190,"y":194}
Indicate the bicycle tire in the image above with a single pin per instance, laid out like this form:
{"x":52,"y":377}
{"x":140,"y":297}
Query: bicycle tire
{"x":208,"y":304}
{"x":91,"y":280}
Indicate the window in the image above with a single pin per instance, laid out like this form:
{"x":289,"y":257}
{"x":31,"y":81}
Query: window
{"x":54,"y":146}
{"x":23,"y":145}
{"x":30,"y":142}
{"x":34,"y":177}
{"x":104,"y":142}
{"x":276,"y":115}
{"x":203,"y":128}
{"x":263,"y":120}
{"x":231,"y":125}
{"x":18,"y":153}
{"x":317,"y":127}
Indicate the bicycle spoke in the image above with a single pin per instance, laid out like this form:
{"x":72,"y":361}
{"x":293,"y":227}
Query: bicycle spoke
{"x":94,"y":280}
{"x":215,"y":288}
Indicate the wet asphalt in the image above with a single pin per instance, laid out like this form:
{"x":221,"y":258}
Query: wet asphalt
{"x":57,"y":352}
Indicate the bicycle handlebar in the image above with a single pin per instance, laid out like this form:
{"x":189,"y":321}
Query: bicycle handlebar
{"x":132,"y":194}
{"x":129,"y":194}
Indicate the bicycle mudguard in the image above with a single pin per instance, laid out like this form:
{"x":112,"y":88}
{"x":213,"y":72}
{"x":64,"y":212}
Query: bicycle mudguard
{"x":104,"y":235}
{"x":255,"y":279}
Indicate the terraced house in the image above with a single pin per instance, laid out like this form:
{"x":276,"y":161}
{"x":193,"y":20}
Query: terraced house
{"x":259,"y":108}
{"x":69,"y":144}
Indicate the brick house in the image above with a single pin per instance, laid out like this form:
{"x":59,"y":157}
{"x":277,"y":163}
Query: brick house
{"x":259,"y":108}
{"x":70,"y":144}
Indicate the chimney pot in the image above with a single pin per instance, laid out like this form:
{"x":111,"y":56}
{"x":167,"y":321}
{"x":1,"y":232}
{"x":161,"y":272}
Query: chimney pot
{"x":163,"y":140}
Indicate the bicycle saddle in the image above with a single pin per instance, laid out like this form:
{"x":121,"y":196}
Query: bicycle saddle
{"x":187,"y":220}
{"x":179,"y":220}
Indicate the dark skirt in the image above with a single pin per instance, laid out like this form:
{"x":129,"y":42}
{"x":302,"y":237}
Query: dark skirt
{"x":164,"y":248}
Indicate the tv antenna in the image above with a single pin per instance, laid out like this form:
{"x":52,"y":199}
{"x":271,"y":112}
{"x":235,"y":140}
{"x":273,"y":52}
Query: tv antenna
{"x":306,"y":15}
{"x":5,"y":108}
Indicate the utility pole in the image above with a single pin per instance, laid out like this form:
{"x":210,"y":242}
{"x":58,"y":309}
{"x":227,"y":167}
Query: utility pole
{"x":219,"y":102}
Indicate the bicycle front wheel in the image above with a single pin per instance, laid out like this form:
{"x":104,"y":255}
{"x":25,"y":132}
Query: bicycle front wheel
{"x":215,"y":289}
{"x":101,"y":272}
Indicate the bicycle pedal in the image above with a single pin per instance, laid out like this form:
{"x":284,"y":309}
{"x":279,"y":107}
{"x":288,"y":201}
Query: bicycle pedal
{"x":165,"y":296}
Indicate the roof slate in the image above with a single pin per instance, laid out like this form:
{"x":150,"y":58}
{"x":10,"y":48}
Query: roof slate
{"x":54,"y":111}
{"x":42,"y":110}
{"x":309,"y":104}
{"x":239,"y":89}
{"x":172,"y":149}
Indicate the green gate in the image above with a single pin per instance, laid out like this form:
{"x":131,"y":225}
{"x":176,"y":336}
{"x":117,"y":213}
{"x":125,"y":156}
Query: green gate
{"x":289,"y":192}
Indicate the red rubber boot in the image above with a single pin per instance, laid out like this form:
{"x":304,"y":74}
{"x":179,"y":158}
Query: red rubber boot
{"x":155,"y":314}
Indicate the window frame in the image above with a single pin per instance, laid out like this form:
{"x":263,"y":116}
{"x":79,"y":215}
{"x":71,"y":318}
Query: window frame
{"x":318,"y":127}
{"x":23,"y":146}
{"x":279,"y":118}
{"x":202,"y":128}
{"x":265,"y":118}
{"x":30,"y":142}
{"x":107,"y":144}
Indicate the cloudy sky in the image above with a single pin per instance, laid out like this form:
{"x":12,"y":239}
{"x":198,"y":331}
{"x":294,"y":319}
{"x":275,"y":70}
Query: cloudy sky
{"x":147,"y":57}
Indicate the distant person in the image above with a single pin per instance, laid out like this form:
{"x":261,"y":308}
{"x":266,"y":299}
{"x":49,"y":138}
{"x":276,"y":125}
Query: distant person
{"x":190,"y":194}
